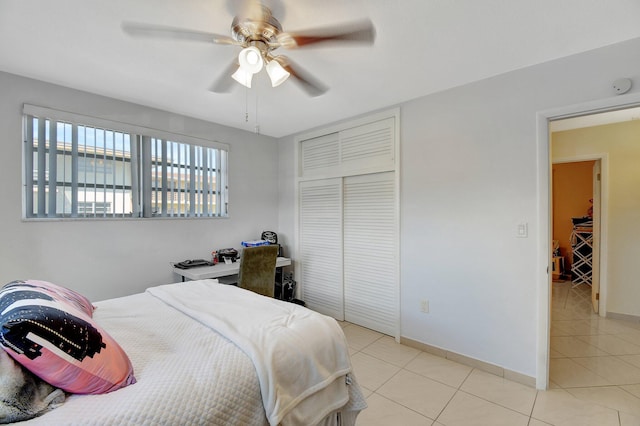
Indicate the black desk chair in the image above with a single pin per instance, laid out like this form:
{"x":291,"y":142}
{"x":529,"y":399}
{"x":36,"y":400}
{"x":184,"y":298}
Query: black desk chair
{"x":258,"y":269}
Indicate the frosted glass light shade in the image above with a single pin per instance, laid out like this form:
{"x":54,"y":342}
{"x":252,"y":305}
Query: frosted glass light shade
{"x":242,"y":77}
{"x":250,"y":59}
{"x":277,"y":73}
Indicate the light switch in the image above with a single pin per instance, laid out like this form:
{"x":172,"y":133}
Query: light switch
{"x":523,"y":230}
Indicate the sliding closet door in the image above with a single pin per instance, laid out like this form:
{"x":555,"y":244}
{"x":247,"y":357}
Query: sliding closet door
{"x":370,"y":251}
{"x":320,"y":250}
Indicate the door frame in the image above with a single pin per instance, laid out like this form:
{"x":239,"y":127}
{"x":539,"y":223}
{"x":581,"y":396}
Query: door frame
{"x":544,"y":237}
{"x":600,"y":230}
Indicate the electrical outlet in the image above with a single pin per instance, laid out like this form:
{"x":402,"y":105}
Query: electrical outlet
{"x":424,"y":306}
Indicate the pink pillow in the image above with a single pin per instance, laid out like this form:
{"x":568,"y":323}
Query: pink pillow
{"x":49,"y":330}
{"x":63,"y":293}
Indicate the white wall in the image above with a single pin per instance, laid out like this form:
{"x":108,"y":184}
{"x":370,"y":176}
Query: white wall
{"x":469,"y":175}
{"x":106,"y":259}
{"x":621,"y":143}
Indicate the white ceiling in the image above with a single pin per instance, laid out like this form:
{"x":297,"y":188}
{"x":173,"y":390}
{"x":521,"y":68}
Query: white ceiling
{"x":422,"y":47}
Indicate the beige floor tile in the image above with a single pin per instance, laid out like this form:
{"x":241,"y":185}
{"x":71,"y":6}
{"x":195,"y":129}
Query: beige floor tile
{"x":632,"y":389}
{"x":632,"y":337}
{"x":560,"y":408}
{"x":572,"y":346}
{"x":383,"y":412}
{"x":614,"y":370}
{"x":575,"y":328}
{"x":469,"y":410}
{"x":612,"y":397}
{"x":439,"y":369}
{"x":610,"y":344}
{"x":359,"y":337}
{"x":555,"y":354}
{"x":372,"y":372}
{"x":629,"y":420}
{"x":631,"y":359}
{"x":536,"y":422}
{"x":500,"y":391}
{"x":418,"y":393}
{"x":567,"y":373}
{"x":611,"y":326}
{"x":388,"y":350}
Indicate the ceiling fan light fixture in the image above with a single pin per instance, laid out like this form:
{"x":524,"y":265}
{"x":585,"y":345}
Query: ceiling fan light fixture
{"x":277,"y":73}
{"x":243,"y":77}
{"x":250,"y":59}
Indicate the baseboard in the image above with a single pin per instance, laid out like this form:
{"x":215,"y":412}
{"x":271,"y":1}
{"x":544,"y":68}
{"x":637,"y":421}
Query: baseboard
{"x":472,"y":362}
{"x":623,"y":317}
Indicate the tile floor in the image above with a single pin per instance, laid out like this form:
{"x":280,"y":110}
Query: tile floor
{"x":595,"y":377}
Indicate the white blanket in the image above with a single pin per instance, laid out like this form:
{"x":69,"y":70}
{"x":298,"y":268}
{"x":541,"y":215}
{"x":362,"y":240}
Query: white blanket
{"x":301,"y":357}
{"x":187,"y":375}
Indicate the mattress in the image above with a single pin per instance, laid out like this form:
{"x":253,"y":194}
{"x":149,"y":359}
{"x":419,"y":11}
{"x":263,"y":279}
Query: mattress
{"x":187,"y":374}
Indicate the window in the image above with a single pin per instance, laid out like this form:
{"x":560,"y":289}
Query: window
{"x":83,"y":167}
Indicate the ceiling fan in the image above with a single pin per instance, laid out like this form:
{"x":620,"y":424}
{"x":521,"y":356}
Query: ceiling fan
{"x":260,"y":35}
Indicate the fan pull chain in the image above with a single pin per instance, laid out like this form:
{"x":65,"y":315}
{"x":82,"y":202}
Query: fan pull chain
{"x":246,"y":104}
{"x":257,"y":125}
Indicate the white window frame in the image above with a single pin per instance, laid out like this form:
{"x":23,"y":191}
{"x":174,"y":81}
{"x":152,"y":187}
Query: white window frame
{"x":177,"y":167}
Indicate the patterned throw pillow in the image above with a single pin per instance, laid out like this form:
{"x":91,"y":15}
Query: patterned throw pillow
{"x":49,"y":329}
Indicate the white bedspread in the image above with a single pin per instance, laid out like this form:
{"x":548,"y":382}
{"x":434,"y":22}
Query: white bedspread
{"x":300,"y":356}
{"x":186,"y":374}
{"x":189,"y":375}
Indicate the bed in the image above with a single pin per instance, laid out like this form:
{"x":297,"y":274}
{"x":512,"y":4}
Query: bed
{"x":205,"y":353}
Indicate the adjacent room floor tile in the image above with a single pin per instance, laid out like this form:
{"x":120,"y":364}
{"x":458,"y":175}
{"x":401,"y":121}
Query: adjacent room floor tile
{"x":558,"y":407}
{"x":572,"y":346}
{"x":614,"y":370}
{"x":610,"y":344}
{"x":609,"y":396}
{"x":569,"y":374}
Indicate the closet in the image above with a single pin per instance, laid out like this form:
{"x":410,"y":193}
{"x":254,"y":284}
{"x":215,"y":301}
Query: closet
{"x":348,"y":222}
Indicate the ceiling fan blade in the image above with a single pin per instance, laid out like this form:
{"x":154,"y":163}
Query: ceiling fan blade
{"x":160,"y":31}
{"x":307,"y":82}
{"x":224,"y":82}
{"x":358,"y":32}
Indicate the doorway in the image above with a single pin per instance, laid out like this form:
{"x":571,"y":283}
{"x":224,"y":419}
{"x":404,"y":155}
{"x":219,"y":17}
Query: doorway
{"x":588,"y":111}
{"x":576,"y":188}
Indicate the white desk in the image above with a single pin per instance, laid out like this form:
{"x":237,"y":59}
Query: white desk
{"x":220,"y":270}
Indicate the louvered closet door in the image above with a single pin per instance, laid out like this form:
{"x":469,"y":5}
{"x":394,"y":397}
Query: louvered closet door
{"x":370,"y":251}
{"x":320,"y":233}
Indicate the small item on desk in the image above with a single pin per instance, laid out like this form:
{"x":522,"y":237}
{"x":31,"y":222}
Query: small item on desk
{"x":186,"y":264}
{"x":255,"y":243}
{"x":230,"y":253}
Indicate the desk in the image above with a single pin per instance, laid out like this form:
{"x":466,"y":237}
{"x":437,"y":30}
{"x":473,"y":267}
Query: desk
{"x":220,"y":270}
